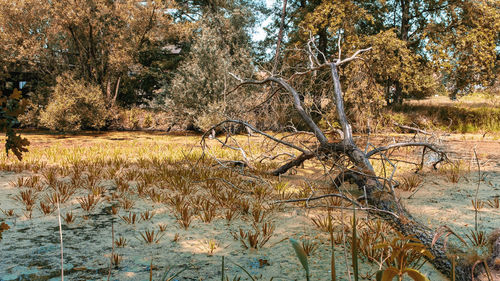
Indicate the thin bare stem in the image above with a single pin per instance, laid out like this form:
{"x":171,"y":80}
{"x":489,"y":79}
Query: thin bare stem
{"x":61,"y":240}
{"x":477,"y":188}
{"x":280,"y":36}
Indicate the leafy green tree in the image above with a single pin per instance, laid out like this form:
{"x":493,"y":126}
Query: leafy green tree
{"x":199,"y":90}
{"x":426,"y":40}
{"x":74,"y":105}
{"x":466,"y":47}
{"x":100,"y":41}
{"x":11,"y":106}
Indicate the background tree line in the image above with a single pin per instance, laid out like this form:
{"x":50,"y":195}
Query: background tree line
{"x":88,"y":60}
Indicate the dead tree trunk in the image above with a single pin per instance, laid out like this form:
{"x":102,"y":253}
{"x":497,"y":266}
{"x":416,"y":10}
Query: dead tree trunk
{"x":379,"y":197}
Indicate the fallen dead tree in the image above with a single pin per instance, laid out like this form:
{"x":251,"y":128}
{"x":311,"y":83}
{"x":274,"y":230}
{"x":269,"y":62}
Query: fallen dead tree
{"x":379,"y":197}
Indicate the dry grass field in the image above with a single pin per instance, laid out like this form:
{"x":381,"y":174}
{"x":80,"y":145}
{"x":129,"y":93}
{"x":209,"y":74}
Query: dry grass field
{"x":149,"y":206}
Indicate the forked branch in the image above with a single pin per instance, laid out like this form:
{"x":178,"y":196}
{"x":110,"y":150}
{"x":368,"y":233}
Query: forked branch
{"x":376,"y":195}
{"x":442,"y":155}
{"x":248,"y":125}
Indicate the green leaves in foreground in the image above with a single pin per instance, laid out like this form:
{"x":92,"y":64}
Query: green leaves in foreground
{"x":406,"y":252}
{"x":389,"y":273}
{"x":3,"y":226}
{"x":301,"y":254}
{"x":11,"y":106}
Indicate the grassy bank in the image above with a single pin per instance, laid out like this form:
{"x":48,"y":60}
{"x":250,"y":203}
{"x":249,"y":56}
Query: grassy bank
{"x":468,"y":115}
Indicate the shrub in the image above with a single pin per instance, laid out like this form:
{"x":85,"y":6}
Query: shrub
{"x":133,"y":116}
{"x":148,"y":121}
{"x":199,"y":91}
{"x":74,"y":105}
{"x":34,"y":104}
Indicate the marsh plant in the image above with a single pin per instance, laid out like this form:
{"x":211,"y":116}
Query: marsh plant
{"x":46,"y":208}
{"x":324,"y":222}
{"x":147,"y":215}
{"x":411,"y":182}
{"x":151,"y":237}
{"x":454,"y":171}
{"x":28,"y":198}
{"x":132,"y":218}
{"x":494,"y":203}
{"x":89,"y":202}
{"x":116,"y":259}
{"x":371,"y":234}
{"x":309,"y":246}
{"x":162,"y":227}
{"x":211,"y":245}
{"x":20,"y":182}
{"x":69,"y":218}
{"x":207,"y":211}
{"x":258,"y":212}
{"x":230,"y":213}
{"x":256,"y":237}
{"x":126,"y":203}
{"x":406,"y":256}
{"x":121,"y":242}
{"x":184,"y":216}
{"x":8,"y":213}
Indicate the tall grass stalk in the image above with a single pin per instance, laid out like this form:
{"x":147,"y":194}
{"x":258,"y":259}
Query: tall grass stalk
{"x":244,"y":270}
{"x":151,"y":270}
{"x":477,"y":188}
{"x":112,"y":247}
{"x":301,"y":254}
{"x":453,"y":263}
{"x":222,"y":270}
{"x":332,"y":264}
{"x":60,"y":239}
{"x":354,"y":246}
{"x":344,"y":242}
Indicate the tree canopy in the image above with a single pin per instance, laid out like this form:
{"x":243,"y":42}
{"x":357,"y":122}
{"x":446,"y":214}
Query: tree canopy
{"x":178,"y":53}
{"x":417,"y":45}
{"x":100,"y":41}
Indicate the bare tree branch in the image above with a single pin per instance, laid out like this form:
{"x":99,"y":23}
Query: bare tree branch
{"x":204,"y":136}
{"x":353,"y":57}
{"x":417,"y":130}
{"x":441,"y":153}
{"x":338,"y":196}
{"x":296,"y":102}
{"x":378,"y":198}
{"x":293,"y":163}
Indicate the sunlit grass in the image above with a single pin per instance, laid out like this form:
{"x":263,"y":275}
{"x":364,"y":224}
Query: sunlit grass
{"x":122,"y":170}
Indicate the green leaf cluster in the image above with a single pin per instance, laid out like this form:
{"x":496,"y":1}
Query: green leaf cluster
{"x":11,"y":106}
{"x":74,"y":105}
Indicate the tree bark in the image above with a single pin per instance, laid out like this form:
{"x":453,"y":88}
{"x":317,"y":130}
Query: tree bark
{"x":280,"y":36}
{"x":398,"y":94}
{"x":381,"y":198}
{"x":404,"y":30}
{"x":116,"y":91}
{"x":377,"y":196}
{"x":322,"y":45}
{"x":405,"y":20}
{"x":294,"y":163}
{"x":108,"y":90}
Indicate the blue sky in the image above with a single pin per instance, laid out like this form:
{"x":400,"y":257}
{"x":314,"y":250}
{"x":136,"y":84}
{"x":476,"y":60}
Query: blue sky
{"x":259,"y":33}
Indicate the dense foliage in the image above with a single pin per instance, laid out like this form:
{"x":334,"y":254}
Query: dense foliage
{"x":201,"y":85}
{"x":417,"y":45}
{"x":11,"y":105}
{"x":177,"y":55}
{"x":74,"y":105}
{"x":102,"y":42}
